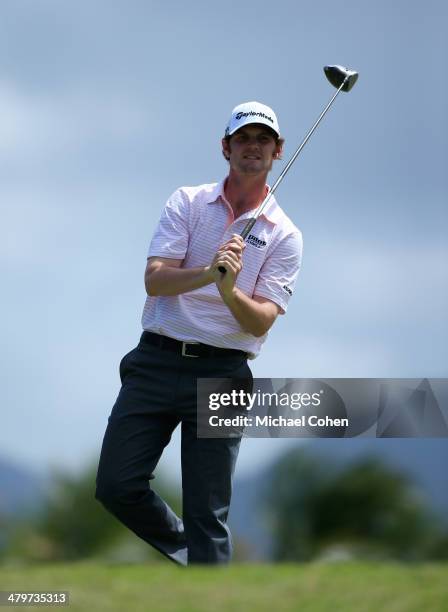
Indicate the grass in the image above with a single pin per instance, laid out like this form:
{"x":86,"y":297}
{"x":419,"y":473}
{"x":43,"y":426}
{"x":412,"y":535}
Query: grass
{"x":344,"y":586}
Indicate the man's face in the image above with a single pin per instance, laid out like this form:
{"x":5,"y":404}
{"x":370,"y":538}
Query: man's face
{"x":251,"y":150}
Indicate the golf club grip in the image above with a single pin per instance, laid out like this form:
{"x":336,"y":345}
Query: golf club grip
{"x":249,"y":225}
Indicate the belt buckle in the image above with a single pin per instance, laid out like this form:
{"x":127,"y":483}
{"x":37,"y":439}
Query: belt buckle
{"x":184,"y":349}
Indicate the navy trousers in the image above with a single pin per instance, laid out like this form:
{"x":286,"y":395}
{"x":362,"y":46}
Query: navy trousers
{"x":158,"y":392}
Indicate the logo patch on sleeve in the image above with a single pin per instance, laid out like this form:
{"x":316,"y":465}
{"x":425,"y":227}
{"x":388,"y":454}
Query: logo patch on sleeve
{"x":256,"y":242}
{"x":287,"y":289}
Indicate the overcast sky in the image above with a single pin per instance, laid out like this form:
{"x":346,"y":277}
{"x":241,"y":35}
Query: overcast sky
{"x":107,"y":107}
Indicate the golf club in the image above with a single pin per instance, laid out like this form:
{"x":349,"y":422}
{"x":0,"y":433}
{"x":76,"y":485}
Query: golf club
{"x":341,"y":78}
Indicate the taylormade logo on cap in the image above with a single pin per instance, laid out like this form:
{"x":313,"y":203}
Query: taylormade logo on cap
{"x":240,"y":115}
{"x":252,"y":112}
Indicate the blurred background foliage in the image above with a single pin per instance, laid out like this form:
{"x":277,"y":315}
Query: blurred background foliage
{"x":314,"y":509}
{"x":366,"y":509}
{"x":71,"y":525}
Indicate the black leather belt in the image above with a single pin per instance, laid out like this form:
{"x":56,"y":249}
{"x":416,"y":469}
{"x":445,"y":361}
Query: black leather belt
{"x":187,"y":349}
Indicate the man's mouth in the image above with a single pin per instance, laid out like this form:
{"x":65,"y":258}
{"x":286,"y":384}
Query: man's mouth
{"x":252,"y":157}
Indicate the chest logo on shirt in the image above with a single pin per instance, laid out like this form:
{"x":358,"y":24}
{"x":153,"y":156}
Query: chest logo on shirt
{"x":256,"y":242}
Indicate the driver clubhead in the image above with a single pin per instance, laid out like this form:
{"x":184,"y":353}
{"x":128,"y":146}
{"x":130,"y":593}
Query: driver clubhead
{"x":337,"y":74}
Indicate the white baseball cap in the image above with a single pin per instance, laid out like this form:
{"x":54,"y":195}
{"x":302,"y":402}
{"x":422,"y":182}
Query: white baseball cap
{"x":252,"y":112}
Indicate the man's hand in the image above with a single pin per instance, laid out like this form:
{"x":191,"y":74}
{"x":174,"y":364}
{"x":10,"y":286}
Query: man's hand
{"x":229,"y":256}
{"x":255,"y":315}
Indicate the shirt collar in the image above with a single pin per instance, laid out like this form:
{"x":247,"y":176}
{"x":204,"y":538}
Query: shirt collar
{"x":271,"y":212}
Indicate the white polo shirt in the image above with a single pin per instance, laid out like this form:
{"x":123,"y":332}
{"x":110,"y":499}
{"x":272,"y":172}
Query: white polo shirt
{"x":193,"y":224}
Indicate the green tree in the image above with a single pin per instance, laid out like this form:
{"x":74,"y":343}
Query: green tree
{"x":72,"y":523}
{"x":367,"y":508}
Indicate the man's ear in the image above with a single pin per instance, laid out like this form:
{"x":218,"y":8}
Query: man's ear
{"x":279,"y":148}
{"x":225,"y":148}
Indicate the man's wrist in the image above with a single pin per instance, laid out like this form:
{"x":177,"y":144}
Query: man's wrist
{"x":208,"y":275}
{"x":229,"y":297}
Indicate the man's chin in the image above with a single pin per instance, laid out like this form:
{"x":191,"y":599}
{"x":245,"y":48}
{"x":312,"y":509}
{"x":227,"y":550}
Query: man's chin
{"x":254,"y":168}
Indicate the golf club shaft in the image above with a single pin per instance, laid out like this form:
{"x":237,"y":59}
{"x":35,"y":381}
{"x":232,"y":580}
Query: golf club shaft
{"x":249,"y":225}
{"x":259,"y":210}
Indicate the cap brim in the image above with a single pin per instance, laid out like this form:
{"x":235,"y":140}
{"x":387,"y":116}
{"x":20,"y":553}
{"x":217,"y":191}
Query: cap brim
{"x":268,"y":127}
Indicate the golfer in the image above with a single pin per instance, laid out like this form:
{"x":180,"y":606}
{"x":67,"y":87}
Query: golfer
{"x":199,"y":322}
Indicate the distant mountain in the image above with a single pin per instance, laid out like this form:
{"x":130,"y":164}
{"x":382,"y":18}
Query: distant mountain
{"x":21,"y":490}
{"x":424,"y":460}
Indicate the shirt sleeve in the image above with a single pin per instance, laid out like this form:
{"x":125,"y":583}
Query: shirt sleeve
{"x":170,"y":238}
{"x":278,"y":275}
